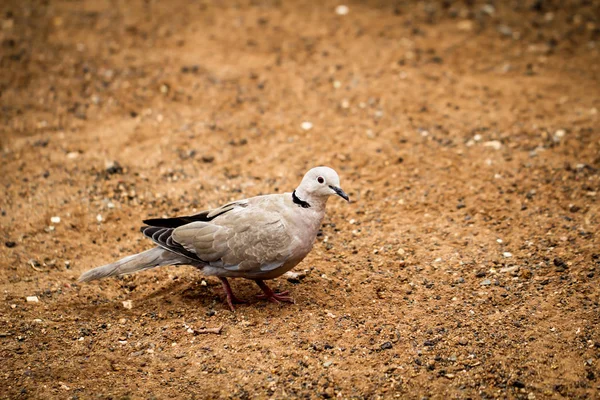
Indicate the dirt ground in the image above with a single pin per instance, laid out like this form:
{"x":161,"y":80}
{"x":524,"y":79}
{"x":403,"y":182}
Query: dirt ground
{"x":466,"y":133}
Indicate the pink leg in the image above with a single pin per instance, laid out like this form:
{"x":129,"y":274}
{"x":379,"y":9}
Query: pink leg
{"x":231,"y":299}
{"x":272,"y":296}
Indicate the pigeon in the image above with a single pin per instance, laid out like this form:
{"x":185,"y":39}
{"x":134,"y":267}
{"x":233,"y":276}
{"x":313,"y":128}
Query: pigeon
{"x":258,"y":238}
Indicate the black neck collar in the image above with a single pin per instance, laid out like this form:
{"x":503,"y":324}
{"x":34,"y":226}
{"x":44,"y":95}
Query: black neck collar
{"x":301,"y":203}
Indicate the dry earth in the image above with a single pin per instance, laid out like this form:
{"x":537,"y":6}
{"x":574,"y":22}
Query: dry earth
{"x":466,"y":133}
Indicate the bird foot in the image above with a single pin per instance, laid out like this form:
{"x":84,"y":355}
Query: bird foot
{"x":276,"y":297}
{"x":271,"y":296}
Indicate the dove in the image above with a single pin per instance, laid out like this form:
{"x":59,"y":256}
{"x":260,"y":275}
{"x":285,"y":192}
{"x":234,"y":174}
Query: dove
{"x":258,"y":238}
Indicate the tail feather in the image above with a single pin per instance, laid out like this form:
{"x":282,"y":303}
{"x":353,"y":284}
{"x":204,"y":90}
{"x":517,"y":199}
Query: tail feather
{"x":148,"y":259}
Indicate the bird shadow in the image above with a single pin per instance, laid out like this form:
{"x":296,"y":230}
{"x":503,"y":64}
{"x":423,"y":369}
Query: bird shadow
{"x":174,"y":295}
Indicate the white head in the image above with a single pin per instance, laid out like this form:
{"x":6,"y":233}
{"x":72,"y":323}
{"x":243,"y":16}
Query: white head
{"x":318,"y":184}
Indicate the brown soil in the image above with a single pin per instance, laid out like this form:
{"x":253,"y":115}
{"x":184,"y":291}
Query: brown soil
{"x":467,"y":265}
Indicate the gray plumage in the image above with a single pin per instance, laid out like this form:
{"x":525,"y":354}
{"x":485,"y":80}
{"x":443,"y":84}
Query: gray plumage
{"x":257,"y":238}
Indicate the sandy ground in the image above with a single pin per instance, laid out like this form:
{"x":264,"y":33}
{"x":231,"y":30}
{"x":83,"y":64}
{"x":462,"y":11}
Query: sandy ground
{"x":466,"y":133}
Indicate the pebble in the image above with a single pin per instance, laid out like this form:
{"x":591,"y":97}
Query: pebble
{"x":99,"y":218}
{"x":342,"y":10}
{"x":55,"y":220}
{"x":486,"y":282}
{"x":488,"y":9}
{"x":295,"y":277}
{"x":306,"y":126}
{"x":509,"y":270}
{"x":113,"y":167}
{"x":32,"y":299}
{"x":494,"y":144}
{"x":128,"y":304}
{"x":465,"y":25}
{"x":386,"y":346}
{"x":208,"y":158}
{"x":10,"y":244}
{"x":463,"y":341}
{"x":73,"y":155}
{"x":327,"y":364}
{"x":506,"y":254}
{"x":505,"y":30}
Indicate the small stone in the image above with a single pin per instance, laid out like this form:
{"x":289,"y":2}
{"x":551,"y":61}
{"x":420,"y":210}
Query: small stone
{"x":208,"y":158}
{"x":505,"y":30}
{"x":525,"y":274}
{"x":55,"y":220}
{"x":99,"y":218}
{"x":463,"y":341}
{"x":295,"y":277}
{"x":488,"y":9}
{"x":386,"y":346}
{"x":486,"y":282}
{"x":510,"y":270}
{"x":518,"y":384}
{"x":10,"y":244}
{"x":558,"y":262}
{"x":72,"y":155}
{"x":494,"y":144}
{"x":306,"y":126}
{"x":507,"y":254}
{"x":342,"y":10}
{"x":32,"y":299}
{"x":113,"y":167}
{"x":465,"y":25}
{"x":128,"y":304}
{"x":327,"y":364}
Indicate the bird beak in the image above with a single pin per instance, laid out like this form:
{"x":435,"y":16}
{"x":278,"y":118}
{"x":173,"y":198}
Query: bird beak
{"x":340,"y":193}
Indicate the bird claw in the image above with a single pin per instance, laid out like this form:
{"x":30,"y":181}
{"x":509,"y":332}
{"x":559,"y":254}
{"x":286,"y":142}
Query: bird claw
{"x":276,"y":297}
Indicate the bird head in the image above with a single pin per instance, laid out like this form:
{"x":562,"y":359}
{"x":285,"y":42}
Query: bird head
{"x":320,"y":183}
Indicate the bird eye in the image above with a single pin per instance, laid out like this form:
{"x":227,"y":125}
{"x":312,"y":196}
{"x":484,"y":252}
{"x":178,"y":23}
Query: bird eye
{"x":320,"y":179}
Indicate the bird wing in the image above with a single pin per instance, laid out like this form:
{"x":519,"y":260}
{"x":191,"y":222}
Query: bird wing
{"x":252,"y":237}
{"x":204,"y":216}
